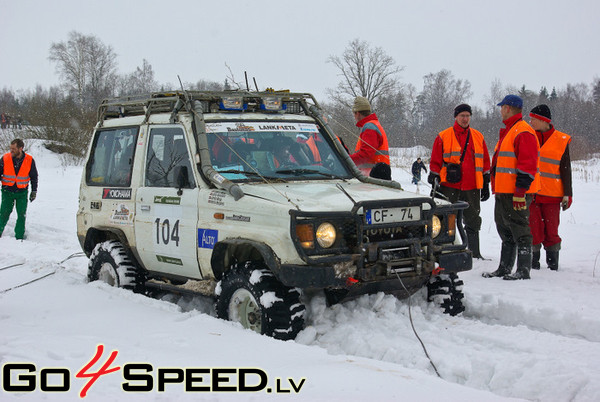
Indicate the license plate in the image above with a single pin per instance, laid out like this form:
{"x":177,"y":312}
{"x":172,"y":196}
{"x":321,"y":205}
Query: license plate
{"x":391,"y":215}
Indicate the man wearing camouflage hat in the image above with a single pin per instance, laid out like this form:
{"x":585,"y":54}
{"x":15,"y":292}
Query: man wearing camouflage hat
{"x":372,"y":145}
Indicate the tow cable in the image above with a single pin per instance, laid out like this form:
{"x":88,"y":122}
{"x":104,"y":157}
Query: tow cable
{"x":413,"y":326}
{"x":74,"y":255}
{"x":12,"y":266}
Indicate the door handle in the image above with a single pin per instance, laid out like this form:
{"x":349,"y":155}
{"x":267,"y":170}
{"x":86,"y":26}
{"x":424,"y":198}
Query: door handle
{"x":145,"y":207}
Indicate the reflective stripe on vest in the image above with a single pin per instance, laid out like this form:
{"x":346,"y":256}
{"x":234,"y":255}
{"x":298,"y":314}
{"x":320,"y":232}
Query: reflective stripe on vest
{"x":9,"y":177}
{"x":550,"y":155}
{"x":381,"y":155}
{"x":506,"y":163}
{"x":452,"y":152}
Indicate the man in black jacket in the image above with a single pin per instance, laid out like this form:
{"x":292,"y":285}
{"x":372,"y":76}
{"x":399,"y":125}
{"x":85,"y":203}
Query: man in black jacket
{"x":416,"y":170}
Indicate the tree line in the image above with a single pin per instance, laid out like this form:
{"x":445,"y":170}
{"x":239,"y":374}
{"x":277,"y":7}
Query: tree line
{"x":66,"y":114}
{"x":411,"y":117}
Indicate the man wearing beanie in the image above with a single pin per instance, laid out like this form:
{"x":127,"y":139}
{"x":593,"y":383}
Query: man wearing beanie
{"x":474,"y":165}
{"x":515,"y":179}
{"x":372,"y":145}
{"x":556,"y":189}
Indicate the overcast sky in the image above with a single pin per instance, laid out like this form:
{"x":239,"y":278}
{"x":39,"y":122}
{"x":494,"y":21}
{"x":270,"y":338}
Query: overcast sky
{"x":285,"y":44}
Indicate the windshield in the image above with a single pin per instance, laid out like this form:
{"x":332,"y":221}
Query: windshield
{"x":273,"y":150}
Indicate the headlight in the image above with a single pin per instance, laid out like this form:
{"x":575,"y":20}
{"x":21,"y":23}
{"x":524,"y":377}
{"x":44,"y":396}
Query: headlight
{"x":436,"y":226}
{"x":326,"y":235}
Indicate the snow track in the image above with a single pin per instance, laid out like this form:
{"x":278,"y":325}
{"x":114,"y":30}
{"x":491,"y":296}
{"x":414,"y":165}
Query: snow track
{"x":536,"y":339}
{"x":502,"y":343}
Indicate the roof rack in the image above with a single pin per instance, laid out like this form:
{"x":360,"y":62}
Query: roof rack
{"x":164,"y":102}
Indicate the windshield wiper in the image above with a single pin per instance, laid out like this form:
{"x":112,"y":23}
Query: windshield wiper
{"x":251,"y":174}
{"x":298,"y":172}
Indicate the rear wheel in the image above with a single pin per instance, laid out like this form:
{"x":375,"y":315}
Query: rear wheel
{"x":446,"y":291}
{"x":250,"y":294}
{"x":110,"y":263}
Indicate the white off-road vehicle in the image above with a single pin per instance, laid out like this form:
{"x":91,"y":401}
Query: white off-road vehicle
{"x":250,"y":198}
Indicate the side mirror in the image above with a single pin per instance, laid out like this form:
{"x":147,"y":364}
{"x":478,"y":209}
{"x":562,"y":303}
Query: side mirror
{"x":182,"y":178}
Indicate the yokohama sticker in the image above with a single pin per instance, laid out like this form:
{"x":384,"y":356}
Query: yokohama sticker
{"x":116,"y":194}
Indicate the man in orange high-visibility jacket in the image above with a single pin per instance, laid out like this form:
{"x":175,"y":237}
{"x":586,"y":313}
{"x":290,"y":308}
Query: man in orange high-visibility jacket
{"x":372,"y":145}
{"x":17,"y":171}
{"x":514,"y":180}
{"x":473,"y":185}
{"x":556,"y":188}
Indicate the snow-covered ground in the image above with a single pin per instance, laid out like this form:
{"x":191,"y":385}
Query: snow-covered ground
{"x":537,"y":339}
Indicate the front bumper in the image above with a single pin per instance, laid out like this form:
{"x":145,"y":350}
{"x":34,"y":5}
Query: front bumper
{"x":337,"y":274}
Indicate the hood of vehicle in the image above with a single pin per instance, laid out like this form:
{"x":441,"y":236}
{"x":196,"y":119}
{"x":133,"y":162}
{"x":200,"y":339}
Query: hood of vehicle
{"x":323,"y":196}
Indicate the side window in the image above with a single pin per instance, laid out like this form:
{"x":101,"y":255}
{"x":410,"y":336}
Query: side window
{"x":167,"y":158}
{"x":111,"y":159}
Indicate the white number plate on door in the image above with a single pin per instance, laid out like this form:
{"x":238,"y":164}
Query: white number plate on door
{"x":391,"y":215}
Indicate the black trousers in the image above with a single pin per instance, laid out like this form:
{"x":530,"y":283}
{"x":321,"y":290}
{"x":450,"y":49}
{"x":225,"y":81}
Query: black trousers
{"x":512,"y":226}
{"x":471,"y":218}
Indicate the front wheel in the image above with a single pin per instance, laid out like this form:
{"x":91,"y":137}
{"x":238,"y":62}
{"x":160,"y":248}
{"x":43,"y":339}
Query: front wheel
{"x":250,"y":294}
{"x":110,"y":263}
{"x":446,"y":291}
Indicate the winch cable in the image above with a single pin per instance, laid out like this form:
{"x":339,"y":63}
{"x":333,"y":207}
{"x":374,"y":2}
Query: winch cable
{"x":27,"y":283}
{"x":74,"y":255}
{"x":413,"y":327}
{"x":12,"y":266}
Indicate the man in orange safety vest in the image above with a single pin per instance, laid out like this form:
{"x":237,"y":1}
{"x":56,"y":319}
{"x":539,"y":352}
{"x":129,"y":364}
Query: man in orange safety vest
{"x":17,"y":171}
{"x":556,"y":189}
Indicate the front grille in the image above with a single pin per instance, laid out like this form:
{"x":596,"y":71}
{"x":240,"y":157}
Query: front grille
{"x":373,"y":235}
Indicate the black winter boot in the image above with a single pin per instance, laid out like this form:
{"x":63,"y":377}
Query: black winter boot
{"x":473,"y":243}
{"x":508,"y":254}
{"x":535,"y":260}
{"x":552,"y":259}
{"x":523,"y":264}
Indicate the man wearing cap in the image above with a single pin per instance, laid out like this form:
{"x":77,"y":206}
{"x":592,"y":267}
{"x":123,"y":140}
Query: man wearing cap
{"x":372,"y":145}
{"x":556,"y":189}
{"x":514,"y":180}
{"x":464,"y":146}
{"x":17,"y":170}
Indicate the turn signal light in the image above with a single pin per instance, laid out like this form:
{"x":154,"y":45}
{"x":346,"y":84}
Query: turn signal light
{"x":306,"y":235}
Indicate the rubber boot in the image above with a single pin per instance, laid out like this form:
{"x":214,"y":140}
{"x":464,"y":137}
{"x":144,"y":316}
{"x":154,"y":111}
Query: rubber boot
{"x":473,"y":243}
{"x":535,"y":256}
{"x":552,"y":259}
{"x":523,"y":264}
{"x":508,"y":254}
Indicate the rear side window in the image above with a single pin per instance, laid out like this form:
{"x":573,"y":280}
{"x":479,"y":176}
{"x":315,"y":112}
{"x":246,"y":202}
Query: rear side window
{"x":111,"y":159}
{"x":168,"y":158}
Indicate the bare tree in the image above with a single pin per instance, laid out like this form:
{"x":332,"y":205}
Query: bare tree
{"x":365,"y":71}
{"x":440,"y":95}
{"x":139,"y":82}
{"x":86,"y":66}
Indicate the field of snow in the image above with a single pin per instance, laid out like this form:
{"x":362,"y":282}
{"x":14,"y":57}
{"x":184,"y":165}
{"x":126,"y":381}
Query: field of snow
{"x":535,"y":340}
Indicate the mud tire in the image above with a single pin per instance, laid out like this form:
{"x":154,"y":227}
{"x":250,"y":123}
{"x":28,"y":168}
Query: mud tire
{"x":110,"y":262}
{"x":250,"y":294}
{"x":446,"y":291}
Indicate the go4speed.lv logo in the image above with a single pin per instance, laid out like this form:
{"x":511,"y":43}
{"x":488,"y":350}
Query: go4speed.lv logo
{"x":142,"y":377}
